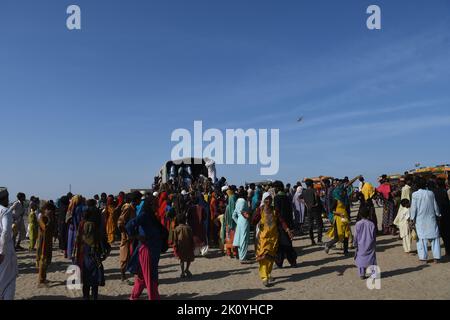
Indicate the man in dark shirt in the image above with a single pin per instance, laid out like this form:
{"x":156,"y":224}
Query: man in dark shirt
{"x":283,"y":206}
{"x":314,"y":211}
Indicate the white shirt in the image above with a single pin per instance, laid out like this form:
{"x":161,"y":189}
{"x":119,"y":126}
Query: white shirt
{"x":8,"y":268}
{"x":6,"y":238}
{"x":18,"y":210}
{"x":406,"y":193}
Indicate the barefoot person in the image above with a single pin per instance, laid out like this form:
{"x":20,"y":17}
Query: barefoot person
{"x":8,"y":258}
{"x":184,"y":245}
{"x":365,"y":243}
{"x":268,"y":241}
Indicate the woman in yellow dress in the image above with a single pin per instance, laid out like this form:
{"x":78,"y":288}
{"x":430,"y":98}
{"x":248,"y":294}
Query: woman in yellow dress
{"x":269,"y":222}
{"x":340,"y":231}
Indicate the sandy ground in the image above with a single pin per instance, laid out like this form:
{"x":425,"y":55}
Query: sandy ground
{"x":318,"y":276}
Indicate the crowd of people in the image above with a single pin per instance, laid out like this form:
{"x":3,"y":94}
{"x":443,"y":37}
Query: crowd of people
{"x":196,"y":215}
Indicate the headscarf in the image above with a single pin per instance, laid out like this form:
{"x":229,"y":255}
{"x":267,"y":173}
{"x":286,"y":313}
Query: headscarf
{"x":296,"y":199}
{"x":265,"y":195}
{"x":385,"y":190}
{"x":255,"y":198}
{"x":74,"y":202}
{"x":368,"y":191}
{"x":337,"y":194}
{"x":230,"y":209}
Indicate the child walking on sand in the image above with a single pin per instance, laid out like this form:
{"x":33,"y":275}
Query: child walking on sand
{"x":402,"y":222}
{"x":365,"y":243}
{"x":184,"y":245}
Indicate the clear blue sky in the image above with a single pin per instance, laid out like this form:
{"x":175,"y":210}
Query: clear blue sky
{"x":95,"y":108}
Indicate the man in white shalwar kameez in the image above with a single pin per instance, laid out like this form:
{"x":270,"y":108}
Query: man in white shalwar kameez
{"x":8,"y":259}
{"x":18,"y":214}
{"x":402,"y":222}
{"x":424,"y":212}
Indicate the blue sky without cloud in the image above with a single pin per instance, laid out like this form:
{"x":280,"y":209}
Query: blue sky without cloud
{"x":95,"y":108}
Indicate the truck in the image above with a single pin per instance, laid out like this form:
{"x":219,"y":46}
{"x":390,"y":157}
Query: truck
{"x":191,"y":168}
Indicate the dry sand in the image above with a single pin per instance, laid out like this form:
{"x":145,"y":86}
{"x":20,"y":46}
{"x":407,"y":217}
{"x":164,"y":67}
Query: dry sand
{"x":318,"y":276}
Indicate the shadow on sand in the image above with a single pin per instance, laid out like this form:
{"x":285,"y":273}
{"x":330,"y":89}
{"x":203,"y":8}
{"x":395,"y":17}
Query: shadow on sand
{"x":314,"y":273}
{"x":393,"y":273}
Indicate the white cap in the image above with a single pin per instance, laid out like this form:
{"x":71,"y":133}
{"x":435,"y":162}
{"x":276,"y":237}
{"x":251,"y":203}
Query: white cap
{"x":155,"y":194}
{"x":184,"y":192}
{"x":224,"y":188}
